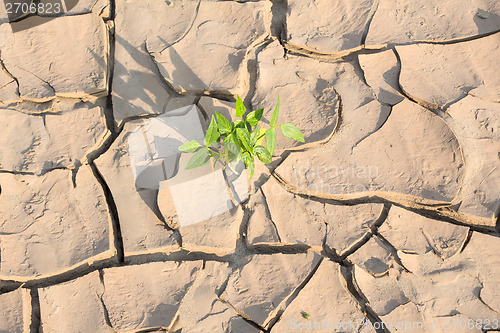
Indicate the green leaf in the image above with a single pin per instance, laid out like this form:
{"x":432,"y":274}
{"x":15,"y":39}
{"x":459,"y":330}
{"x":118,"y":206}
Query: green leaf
{"x":254,"y":117}
{"x":232,"y":147}
{"x":231,"y":144}
{"x":263,"y":154}
{"x":290,"y":131}
{"x":200,"y":158}
{"x":231,"y":138}
{"x":255,"y":134}
{"x":225,"y":126}
{"x":212,"y":133}
{"x":240,"y":108}
{"x":249,"y":162}
{"x":261,"y":137}
{"x":190,"y":147}
{"x":305,"y":315}
{"x":271,"y":140}
{"x":244,"y":137}
{"x":274,"y":116}
{"x":238,"y":124}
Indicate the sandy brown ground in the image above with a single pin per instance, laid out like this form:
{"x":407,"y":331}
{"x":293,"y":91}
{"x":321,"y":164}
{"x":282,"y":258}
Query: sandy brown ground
{"x":385,"y":220}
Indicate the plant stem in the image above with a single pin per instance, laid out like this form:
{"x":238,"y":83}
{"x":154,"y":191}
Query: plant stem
{"x":261,"y":136}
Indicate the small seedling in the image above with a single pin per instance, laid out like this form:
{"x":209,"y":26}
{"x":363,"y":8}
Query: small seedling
{"x":240,"y":140}
{"x":305,"y":315}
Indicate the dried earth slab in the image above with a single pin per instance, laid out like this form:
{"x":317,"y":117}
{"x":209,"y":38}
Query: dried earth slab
{"x":218,"y":234}
{"x":297,"y":220}
{"x":410,"y":232}
{"x":222,"y":318}
{"x":218,"y":31}
{"x":328,"y":303}
{"x":11,"y":312}
{"x":346,"y":225}
{"x":202,"y":218}
{"x":280,"y":216}
{"x":261,"y":282}
{"x":414,"y":153}
{"x":8,"y":88}
{"x":482,"y":249}
{"x":448,"y":295}
{"x":422,"y":304}
{"x":39,"y":59}
{"x":477,"y":125}
{"x":138,"y":87}
{"x":155,"y":194}
{"x":307,"y":89}
{"x":439,"y":75}
{"x":261,"y":228}
{"x":190,"y":192}
{"x":462,"y":287}
{"x":331,"y":26}
{"x":476,"y":267}
{"x":316,"y":92}
{"x":147,"y":295}
{"x":100,"y":7}
{"x":201,"y":309}
{"x":142,"y":225}
{"x":74,"y":306}
{"x":376,"y":257}
{"x":405,"y":21}
{"x":384,"y":293}
{"x":405,"y":318}
{"x":51,"y":222}
{"x":60,"y":139}
{"x":381,"y":71}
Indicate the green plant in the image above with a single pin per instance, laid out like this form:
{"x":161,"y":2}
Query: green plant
{"x":305,"y":315}
{"x":240,"y":140}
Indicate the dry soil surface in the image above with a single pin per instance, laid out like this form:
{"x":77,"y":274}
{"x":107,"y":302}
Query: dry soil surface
{"x":385,"y":220}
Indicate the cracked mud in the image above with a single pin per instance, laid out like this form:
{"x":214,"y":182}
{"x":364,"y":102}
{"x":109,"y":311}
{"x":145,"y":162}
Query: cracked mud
{"x":388,"y":213}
